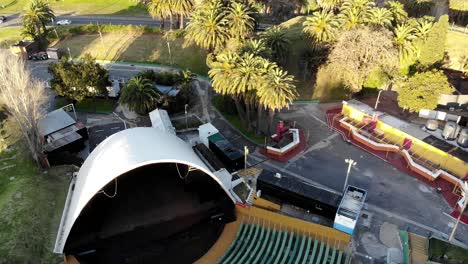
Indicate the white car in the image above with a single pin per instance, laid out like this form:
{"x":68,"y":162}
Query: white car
{"x":63,"y":22}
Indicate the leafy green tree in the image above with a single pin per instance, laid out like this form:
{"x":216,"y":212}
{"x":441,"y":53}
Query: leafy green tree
{"x":80,"y":79}
{"x":398,"y":11}
{"x":433,"y":48}
{"x":358,"y":52}
{"x":240,"y":21}
{"x":208,"y":26}
{"x":36,"y":17}
{"x":275,"y":38}
{"x":139,"y":95}
{"x":379,"y":17}
{"x":278,"y":94}
{"x":423,"y":90}
{"x":321,"y":26}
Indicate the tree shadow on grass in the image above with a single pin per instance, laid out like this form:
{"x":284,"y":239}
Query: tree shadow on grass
{"x":154,"y":48}
{"x":135,"y":10}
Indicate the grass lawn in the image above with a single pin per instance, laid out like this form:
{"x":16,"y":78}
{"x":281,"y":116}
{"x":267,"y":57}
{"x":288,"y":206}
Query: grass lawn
{"x":459,"y":5}
{"x":97,"y":105}
{"x":235,"y":121}
{"x":137,"y":47}
{"x":10,"y":33}
{"x":31,"y":203}
{"x":455,"y":255}
{"x":90,"y":105}
{"x":457,"y":44}
{"x":82,"y":7}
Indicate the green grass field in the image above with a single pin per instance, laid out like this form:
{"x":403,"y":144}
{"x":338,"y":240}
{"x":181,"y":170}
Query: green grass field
{"x":459,"y":5}
{"x":137,"y":47}
{"x":457,"y":44}
{"x":31,"y":203}
{"x":81,"y":7}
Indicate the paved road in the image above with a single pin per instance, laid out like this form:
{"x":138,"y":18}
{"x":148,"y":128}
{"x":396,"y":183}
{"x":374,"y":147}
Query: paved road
{"x":15,"y":20}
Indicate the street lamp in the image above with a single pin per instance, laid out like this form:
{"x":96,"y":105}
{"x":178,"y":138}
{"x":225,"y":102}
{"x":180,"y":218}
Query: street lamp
{"x":463,"y":207}
{"x":246,"y":153}
{"x":186,"y":123}
{"x":69,"y":53}
{"x":351,"y":163}
{"x":378,"y":101}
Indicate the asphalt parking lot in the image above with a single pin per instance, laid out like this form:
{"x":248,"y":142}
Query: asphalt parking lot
{"x":99,"y":133}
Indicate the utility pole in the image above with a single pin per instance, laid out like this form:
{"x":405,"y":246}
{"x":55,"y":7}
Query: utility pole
{"x":378,"y":100}
{"x":246,"y":153}
{"x":351,"y":163}
{"x":186,"y":123}
{"x":463,"y":207}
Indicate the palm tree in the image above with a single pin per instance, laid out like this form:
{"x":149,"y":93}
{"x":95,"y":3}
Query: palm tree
{"x":350,"y":18}
{"x":183,"y":8}
{"x":423,"y":28}
{"x":256,"y":47}
{"x":379,"y":17}
{"x":160,"y":9}
{"x":403,"y":38}
{"x":278,"y":94}
{"x":275,"y":38}
{"x":139,"y":95}
{"x":398,"y":11}
{"x":321,"y":26}
{"x":354,"y":12}
{"x":37,"y":15}
{"x":240,"y":20}
{"x":361,"y":6}
{"x":208,"y":26}
{"x":329,"y":4}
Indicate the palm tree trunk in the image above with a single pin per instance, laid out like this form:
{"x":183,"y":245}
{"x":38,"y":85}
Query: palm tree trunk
{"x":181,"y":25}
{"x":259,"y":117}
{"x":271,"y":114}
{"x":249,"y":123}
{"x":239,"y":109}
{"x":171,"y":21}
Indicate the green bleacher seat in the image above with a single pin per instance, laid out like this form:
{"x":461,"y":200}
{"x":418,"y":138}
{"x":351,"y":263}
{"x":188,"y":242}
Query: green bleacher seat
{"x":307,"y":250}
{"x":325,"y":256}
{"x":312,"y":257}
{"x":348,"y":259}
{"x":287,"y":250}
{"x":340,"y":255}
{"x":301,"y":250}
{"x":266,"y":241}
{"x":322,"y":245}
{"x":332,"y":259}
{"x":239,"y":243}
{"x":250,"y":237}
{"x":253,"y":247}
{"x":295,"y":249}
{"x":274,"y":251}
{"x":242,"y":228}
{"x":283,"y":244}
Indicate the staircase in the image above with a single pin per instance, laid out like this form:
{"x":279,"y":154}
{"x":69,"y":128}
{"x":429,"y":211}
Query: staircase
{"x":418,"y":247}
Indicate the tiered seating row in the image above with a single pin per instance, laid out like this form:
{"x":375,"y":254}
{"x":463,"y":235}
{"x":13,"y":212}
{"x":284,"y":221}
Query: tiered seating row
{"x":257,"y":243}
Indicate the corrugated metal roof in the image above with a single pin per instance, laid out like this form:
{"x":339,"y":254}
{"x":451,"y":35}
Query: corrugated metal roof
{"x":54,"y":121}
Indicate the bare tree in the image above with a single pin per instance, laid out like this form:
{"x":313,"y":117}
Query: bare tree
{"x":23,"y":98}
{"x":359,"y":52}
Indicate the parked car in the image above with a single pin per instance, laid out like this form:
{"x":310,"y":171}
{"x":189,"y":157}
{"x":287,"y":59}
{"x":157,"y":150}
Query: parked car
{"x":38,"y":56}
{"x":3,"y":19}
{"x":63,"y":22}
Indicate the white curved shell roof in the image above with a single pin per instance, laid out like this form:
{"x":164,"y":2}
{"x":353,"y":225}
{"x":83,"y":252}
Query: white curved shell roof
{"x":118,"y":154}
